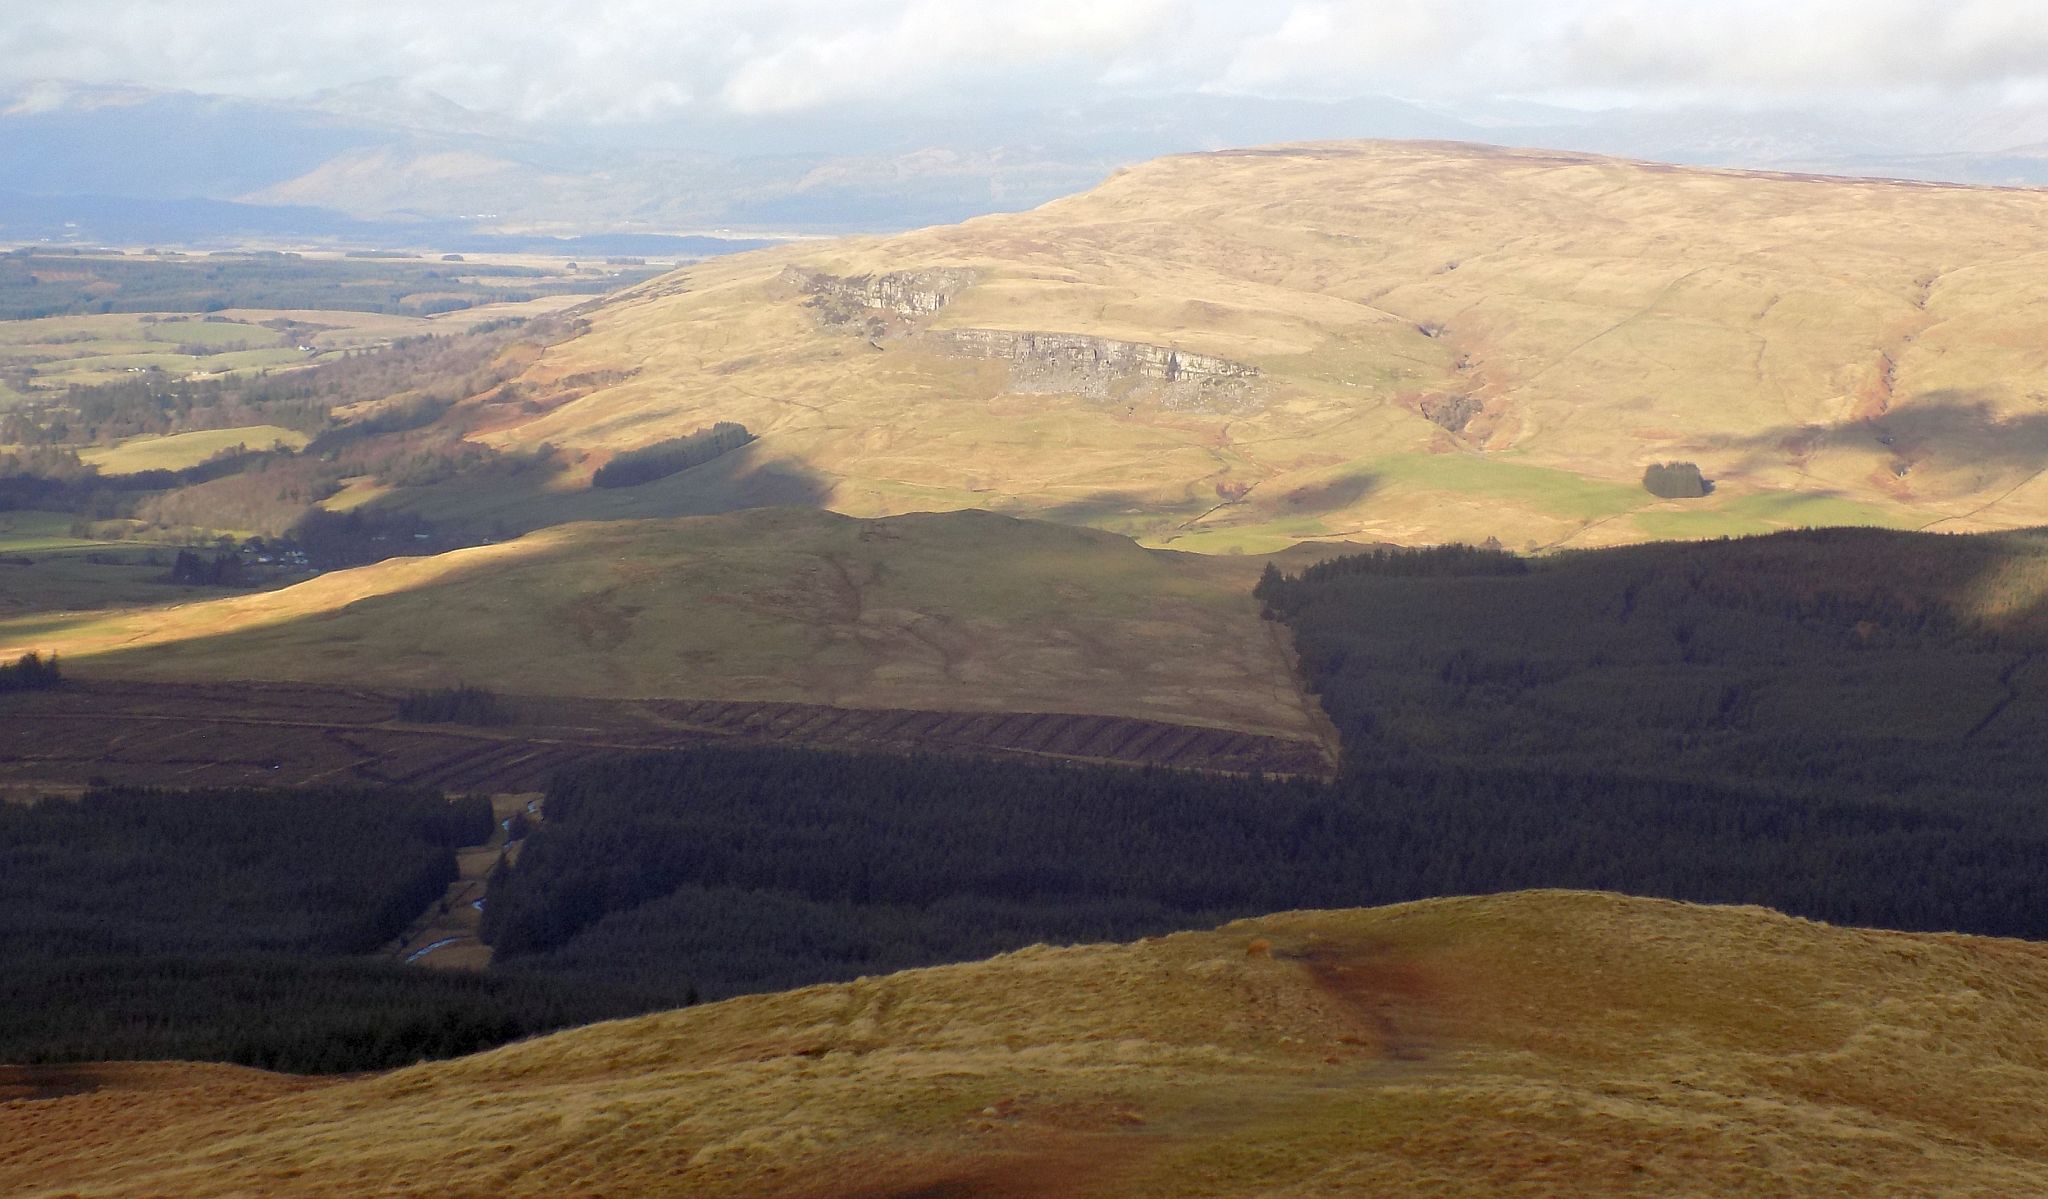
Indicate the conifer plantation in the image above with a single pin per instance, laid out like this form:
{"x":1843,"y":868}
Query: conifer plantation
{"x":238,"y":926}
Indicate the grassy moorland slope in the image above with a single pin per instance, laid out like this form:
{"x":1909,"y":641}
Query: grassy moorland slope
{"x":963,"y":611}
{"x":1537,"y":1043}
{"x":1450,"y":342}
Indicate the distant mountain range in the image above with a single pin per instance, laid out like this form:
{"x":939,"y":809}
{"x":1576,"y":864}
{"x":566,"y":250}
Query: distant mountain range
{"x":380,"y":163}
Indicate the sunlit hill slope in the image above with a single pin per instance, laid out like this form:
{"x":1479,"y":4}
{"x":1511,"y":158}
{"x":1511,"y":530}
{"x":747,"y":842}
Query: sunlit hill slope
{"x":1402,"y":341}
{"x":960,"y":611}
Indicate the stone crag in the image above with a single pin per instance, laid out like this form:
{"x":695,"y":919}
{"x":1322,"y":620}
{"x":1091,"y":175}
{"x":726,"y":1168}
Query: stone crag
{"x":1452,"y":413}
{"x":909,"y":294}
{"x":1101,"y":368}
{"x":893,"y":306}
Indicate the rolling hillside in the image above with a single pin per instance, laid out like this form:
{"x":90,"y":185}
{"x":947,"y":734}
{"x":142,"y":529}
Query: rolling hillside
{"x":963,"y":612}
{"x":1537,"y":1043}
{"x":1396,"y":341}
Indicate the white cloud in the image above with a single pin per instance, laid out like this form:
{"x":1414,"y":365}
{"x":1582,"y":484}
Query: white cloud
{"x":1335,"y":48}
{"x":1723,"y":49}
{"x":635,"y":59}
{"x":932,"y":45}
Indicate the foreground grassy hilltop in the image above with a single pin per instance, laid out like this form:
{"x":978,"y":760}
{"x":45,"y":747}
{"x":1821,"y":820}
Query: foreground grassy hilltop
{"x":1401,"y":341}
{"x":1533,"y":1043}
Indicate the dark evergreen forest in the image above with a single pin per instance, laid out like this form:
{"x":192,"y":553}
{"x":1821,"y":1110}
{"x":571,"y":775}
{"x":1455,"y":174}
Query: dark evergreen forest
{"x":631,"y":468}
{"x":231,"y":925}
{"x":1839,"y":664}
{"x":460,"y":704}
{"x":743,"y":870}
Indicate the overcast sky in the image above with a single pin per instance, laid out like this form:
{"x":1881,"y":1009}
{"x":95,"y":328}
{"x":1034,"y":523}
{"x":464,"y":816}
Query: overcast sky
{"x":621,"y":60}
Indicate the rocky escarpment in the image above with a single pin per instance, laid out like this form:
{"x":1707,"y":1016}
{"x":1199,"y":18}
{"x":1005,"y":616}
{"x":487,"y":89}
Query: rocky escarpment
{"x":1102,"y":368}
{"x":842,"y":300}
{"x":892,"y":307}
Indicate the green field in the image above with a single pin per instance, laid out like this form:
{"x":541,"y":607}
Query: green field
{"x":180,"y":450}
{"x":40,"y":532}
{"x":44,"y":571}
{"x":1473,"y":496}
{"x":127,"y":330}
{"x":102,"y":369}
{"x":1556,"y":492}
{"x":34,"y":285}
{"x":57,"y":352}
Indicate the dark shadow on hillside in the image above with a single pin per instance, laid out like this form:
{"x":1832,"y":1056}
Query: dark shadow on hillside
{"x":1314,"y":499}
{"x":749,"y":477}
{"x":1944,"y":429}
{"x":1104,"y":509}
{"x":1137,"y":512}
{"x":1854,"y":662}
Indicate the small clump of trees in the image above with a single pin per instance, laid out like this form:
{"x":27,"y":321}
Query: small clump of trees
{"x":1675,"y":481}
{"x":1281,"y":594}
{"x":455,"y":705}
{"x":31,"y":672}
{"x":196,"y":570}
{"x":665,"y":458}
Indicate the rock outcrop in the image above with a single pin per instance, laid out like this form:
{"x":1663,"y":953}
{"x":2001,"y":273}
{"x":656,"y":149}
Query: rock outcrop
{"x":1452,"y":413}
{"x":892,"y":307}
{"x":1102,"y":368}
{"x":911,"y":294}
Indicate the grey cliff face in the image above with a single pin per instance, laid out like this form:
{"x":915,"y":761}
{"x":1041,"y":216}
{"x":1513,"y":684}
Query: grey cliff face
{"x":904,"y":293}
{"x":1102,"y":368}
{"x":894,"y":306}
{"x":1080,"y":353}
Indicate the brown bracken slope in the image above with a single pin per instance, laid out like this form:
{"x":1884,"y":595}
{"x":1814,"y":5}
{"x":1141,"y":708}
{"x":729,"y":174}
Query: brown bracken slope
{"x":1540,"y":1043}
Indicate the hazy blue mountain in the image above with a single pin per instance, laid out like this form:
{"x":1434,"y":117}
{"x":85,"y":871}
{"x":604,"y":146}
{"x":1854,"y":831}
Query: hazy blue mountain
{"x":162,"y":145}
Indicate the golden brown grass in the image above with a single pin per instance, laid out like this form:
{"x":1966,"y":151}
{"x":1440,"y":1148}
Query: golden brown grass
{"x":958,"y":611}
{"x":1830,"y":351}
{"x":1540,"y":1044}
